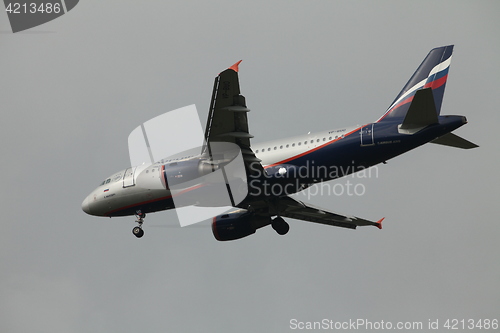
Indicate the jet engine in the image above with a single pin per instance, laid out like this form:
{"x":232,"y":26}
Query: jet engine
{"x":237,"y":224}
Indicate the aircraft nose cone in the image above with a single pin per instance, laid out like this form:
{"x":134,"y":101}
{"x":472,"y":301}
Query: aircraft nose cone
{"x":85,"y":206}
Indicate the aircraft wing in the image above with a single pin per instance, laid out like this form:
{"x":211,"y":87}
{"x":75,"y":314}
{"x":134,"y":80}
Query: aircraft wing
{"x":227,"y":118}
{"x":299,"y":210}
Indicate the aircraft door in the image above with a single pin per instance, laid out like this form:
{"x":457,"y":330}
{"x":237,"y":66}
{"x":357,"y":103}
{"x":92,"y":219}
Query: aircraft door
{"x":128,"y":178}
{"x":367,"y":135}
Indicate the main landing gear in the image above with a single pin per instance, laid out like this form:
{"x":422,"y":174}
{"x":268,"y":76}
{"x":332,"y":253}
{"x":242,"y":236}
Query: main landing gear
{"x":137,"y":231}
{"x":280,"y":225}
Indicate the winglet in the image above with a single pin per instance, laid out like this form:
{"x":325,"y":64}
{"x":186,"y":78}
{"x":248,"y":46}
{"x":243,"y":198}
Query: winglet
{"x":379,"y":223}
{"x":235,"y":66}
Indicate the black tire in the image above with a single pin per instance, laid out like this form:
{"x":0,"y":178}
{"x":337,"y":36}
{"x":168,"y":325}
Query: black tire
{"x":138,"y":232}
{"x":283,"y":229}
{"x":280,"y":226}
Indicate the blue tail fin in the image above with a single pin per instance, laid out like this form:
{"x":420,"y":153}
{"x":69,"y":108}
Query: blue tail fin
{"x":432,"y":73}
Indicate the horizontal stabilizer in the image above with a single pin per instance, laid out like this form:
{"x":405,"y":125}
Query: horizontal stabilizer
{"x":453,"y":140}
{"x":422,"y":111}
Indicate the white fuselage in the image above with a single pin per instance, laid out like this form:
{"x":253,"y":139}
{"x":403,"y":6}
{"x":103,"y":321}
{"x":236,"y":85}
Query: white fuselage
{"x":119,"y":191}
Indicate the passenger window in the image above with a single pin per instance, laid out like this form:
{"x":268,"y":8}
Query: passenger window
{"x":329,"y":138}
{"x":274,"y":148}
{"x":268,"y":149}
{"x":312,"y":141}
{"x":281,"y":147}
{"x":293,"y":144}
{"x":299,"y":143}
{"x":256,"y":151}
{"x":108,"y":180}
{"x":324,"y":139}
{"x":317,"y":140}
{"x":287,"y":145}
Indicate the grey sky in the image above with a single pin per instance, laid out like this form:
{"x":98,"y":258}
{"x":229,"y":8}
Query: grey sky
{"x":73,"y":89}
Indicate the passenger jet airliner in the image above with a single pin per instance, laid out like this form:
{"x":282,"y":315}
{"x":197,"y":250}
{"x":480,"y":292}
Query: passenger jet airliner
{"x":412,"y":120}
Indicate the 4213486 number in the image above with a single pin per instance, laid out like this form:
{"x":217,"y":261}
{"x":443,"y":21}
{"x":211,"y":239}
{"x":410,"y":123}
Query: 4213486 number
{"x":33,"y":8}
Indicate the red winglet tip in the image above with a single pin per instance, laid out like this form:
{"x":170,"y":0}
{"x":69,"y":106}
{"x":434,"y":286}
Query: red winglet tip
{"x":235,"y":66}
{"x":379,"y":223}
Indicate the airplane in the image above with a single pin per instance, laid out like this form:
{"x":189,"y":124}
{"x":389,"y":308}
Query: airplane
{"x":412,"y":120}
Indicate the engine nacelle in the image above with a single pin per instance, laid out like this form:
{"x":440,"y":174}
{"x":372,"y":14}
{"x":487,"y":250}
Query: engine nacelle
{"x":237,"y":224}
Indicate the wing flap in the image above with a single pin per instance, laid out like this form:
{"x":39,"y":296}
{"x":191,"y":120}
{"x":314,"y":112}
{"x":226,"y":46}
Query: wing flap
{"x":236,"y":108}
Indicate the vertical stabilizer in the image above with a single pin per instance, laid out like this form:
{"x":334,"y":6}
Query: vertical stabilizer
{"x":432,"y":73}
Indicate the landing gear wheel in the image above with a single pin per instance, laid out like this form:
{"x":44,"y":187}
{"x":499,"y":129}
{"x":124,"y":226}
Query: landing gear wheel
{"x":138,"y":232}
{"x":280,"y":226}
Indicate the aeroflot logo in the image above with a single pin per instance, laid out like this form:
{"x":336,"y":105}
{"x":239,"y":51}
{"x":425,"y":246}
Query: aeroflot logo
{"x":31,"y":13}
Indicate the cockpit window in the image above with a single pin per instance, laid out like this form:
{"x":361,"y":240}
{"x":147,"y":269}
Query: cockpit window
{"x":106,"y":181}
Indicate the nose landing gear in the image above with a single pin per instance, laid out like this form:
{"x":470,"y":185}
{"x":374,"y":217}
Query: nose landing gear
{"x":137,"y":231}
